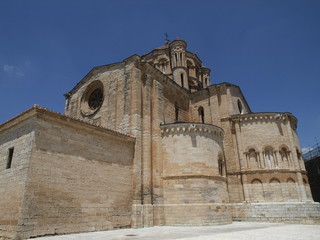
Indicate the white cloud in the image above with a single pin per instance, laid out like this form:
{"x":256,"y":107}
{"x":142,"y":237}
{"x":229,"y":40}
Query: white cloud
{"x":12,"y":71}
{"x":306,"y":149}
{"x":8,"y":68}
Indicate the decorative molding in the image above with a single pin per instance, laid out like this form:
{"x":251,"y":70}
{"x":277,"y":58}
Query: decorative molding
{"x":194,"y":57}
{"x":219,"y":178}
{"x":178,"y":128}
{"x":259,"y":171}
{"x":178,"y":42}
{"x":270,"y":116}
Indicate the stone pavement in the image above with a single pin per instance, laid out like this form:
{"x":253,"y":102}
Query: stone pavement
{"x":234,"y":231}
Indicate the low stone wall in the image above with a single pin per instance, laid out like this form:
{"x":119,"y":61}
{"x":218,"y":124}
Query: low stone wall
{"x":293,"y":212}
{"x":196,"y":214}
{"x":192,"y":214}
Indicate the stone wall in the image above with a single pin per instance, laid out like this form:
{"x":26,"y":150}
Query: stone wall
{"x":176,"y":104}
{"x":219,"y":102}
{"x":270,"y":165}
{"x":113,"y":82}
{"x":20,"y":138}
{"x":296,"y":212}
{"x":267,"y":134}
{"x":138,"y":98}
{"x":79,"y":178}
{"x":194,"y":182}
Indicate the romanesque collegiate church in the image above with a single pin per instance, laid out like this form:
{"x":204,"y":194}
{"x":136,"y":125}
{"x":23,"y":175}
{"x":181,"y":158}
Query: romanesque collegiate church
{"x":149,"y":142}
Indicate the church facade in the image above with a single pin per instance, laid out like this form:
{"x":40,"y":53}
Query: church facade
{"x":149,"y":142}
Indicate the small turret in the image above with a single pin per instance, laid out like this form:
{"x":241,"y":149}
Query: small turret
{"x":179,"y":63}
{"x":205,"y":77}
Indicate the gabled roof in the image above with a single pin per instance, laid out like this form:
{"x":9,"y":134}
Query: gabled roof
{"x":37,"y":110}
{"x":91,"y":72}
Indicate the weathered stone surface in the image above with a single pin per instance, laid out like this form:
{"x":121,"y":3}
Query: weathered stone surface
{"x":147,"y":142}
{"x":63,"y":180}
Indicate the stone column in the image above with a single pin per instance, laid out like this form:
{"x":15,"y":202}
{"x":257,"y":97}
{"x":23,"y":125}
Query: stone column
{"x":136,"y":131}
{"x":157,"y":118}
{"x":302,"y":188}
{"x":147,"y":153}
{"x":239,"y":147}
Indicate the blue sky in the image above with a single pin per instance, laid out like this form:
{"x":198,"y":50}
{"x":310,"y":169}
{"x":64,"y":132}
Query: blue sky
{"x":270,"y":48}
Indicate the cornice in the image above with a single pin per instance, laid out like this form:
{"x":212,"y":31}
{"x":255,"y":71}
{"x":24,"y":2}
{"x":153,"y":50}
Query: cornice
{"x":264,"y":116}
{"x":178,"y":42}
{"x":180,"y":128}
{"x":176,"y":177}
{"x":266,"y":171}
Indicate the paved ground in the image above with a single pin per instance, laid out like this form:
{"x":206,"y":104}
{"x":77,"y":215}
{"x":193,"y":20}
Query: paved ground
{"x":235,"y":231}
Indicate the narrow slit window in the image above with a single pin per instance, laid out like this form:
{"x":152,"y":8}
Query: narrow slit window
{"x":10,"y":156}
{"x":220,"y":167}
{"x":201,"y":114}
{"x":240,"y":107}
{"x":182,"y":80}
{"x":176,"y":111}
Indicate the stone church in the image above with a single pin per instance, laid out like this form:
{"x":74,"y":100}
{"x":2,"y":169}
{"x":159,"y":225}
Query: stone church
{"x":149,"y":142}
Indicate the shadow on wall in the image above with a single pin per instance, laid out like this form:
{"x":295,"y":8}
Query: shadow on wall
{"x":313,"y":172}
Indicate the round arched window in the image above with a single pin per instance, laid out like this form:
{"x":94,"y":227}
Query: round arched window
{"x":92,"y":98}
{"x":96,"y":99}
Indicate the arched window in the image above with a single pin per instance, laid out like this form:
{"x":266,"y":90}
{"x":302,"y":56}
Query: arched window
{"x":163,"y":65}
{"x":176,"y":110}
{"x":284,"y":153}
{"x":252,"y":154}
{"x":206,"y":82}
{"x":268,"y":155}
{"x":285,"y":158}
{"x":201,"y":114}
{"x":239,"y":106}
{"x":176,"y":55}
{"x":163,"y":68}
{"x":253,"y":159}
